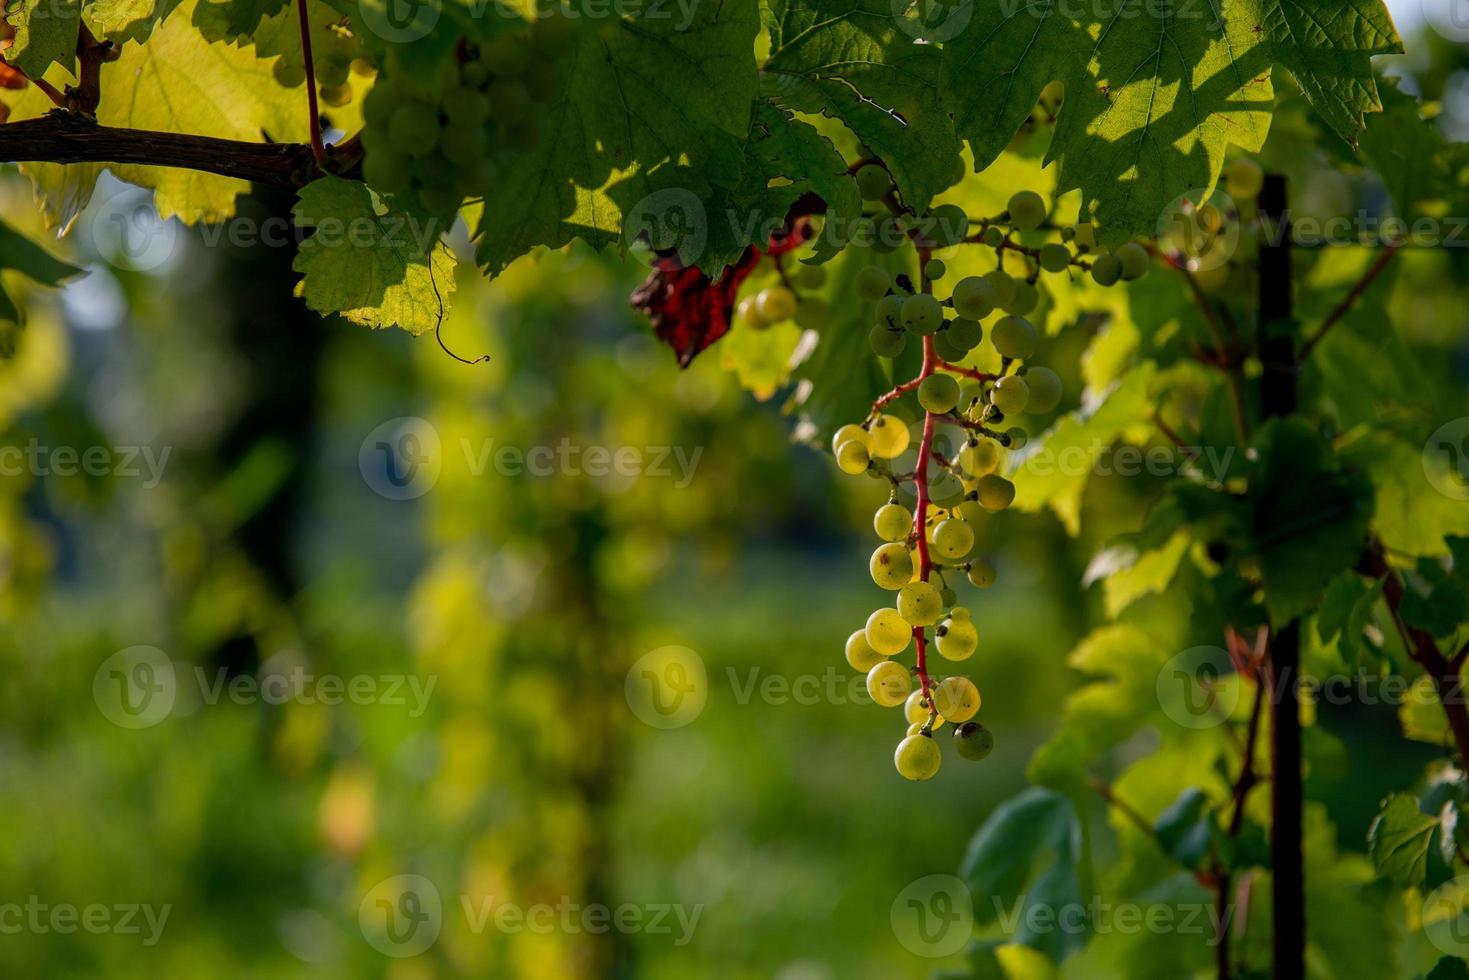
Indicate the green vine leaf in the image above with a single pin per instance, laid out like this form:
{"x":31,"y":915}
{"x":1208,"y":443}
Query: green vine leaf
{"x":370,"y":264}
{"x":849,"y":60}
{"x":45,"y":34}
{"x":131,"y":20}
{"x":1399,"y":840}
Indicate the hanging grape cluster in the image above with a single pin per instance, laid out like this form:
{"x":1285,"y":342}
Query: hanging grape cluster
{"x":951,"y":476}
{"x":434,"y":141}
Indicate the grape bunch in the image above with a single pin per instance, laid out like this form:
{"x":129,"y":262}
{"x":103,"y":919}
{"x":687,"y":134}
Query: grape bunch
{"x":435,"y":141}
{"x":950,"y":477}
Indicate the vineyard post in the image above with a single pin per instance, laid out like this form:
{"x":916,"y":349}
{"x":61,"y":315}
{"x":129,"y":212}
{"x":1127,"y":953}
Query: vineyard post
{"x":1276,"y":343}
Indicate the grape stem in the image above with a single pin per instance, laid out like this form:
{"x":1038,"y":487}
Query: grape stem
{"x":920,"y":481}
{"x":967,"y":372}
{"x":893,"y":395}
{"x":318,"y":148}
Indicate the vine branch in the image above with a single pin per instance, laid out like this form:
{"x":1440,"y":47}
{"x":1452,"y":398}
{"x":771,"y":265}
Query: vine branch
{"x":1350,"y":300}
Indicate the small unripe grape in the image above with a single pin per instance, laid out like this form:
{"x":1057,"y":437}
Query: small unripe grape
{"x":949,"y":596}
{"x":919,"y":603}
{"x":956,"y":698}
{"x":1013,"y":337}
{"x":892,"y":522}
{"x":918,"y":757}
{"x":873,"y":182}
{"x":1010,"y":394}
{"x":970,"y":510}
{"x":336,"y":95}
{"x":981,"y":574}
{"x":890,"y":311}
{"x":953,"y":538}
{"x":853,"y":457}
{"x":957,"y":637}
{"x":995,"y":492}
{"x":888,"y":437}
{"x":1106,"y":270}
{"x":888,"y":684}
{"x":944,"y":346}
{"x":922,"y":314}
{"x":846,"y":434}
{"x":965,"y":334}
{"x":860,"y":655}
{"x":1045,"y":389}
{"x":468,"y":109}
{"x":947,"y":224}
{"x":916,"y":710}
{"x":935,"y":270}
{"x":914,"y":729}
{"x":1004,"y":285}
{"x":873,"y":283}
{"x":945,"y":489}
{"x":1135,"y":261}
{"x":1017,"y":436}
{"x":1086,"y":235}
{"x":776,"y":304}
{"x":1027,"y":210}
{"x":891,"y":566}
{"x":974,"y":297}
{"x":979,"y":458}
{"x":887,"y":632}
{"x":1054,"y":257}
{"x":938,"y":393}
{"x":1243,"y":179}
{"x":1025,"y":298}
{"x":414,"y":128}
{"x":887,"y":343}
{"x":464,"y":145}
{"x":993,"y":236}
{"x":973,"y":740}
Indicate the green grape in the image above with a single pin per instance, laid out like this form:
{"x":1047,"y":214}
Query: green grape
{"x":888,"y":437}
{"x":364,"y":68}
{"x":922,"y":314}
{"x":956,"y":637}
{"x":947,"y":224}
{"x":916,"y":711}
{"x":993,"y":236}
{"x":974,"y":297}
{"x":554,"y":35}
{"x":979,"y":458}
{"x":377,"y":108}
{"x":289,"y":75}
{"x":887,"y":633}
{"x":890,"y":311}
{"x":1054,"y":257}
{"x":873,"y":182}
{"x":332,"y":73}
{"x":893,"y":522}
{"x":510,"y":100}
{"x":891,"y":566}
{"x":810,"y":276}
{"x":1013,"y":337}
{"x":1010,"y":394}
{"x":887,"y":343}
{"x":914,"y":729}
{"x":935,"y":270}
{"x":965,"y":333}
{"x":1003,"y":284}
{"x":944,"y":346}
{"x":1243,"y":179}
{"x":860,"y":655}
{"x":1027,"y":210}
{"x":981,"y":574}
{"x":938,"y":393}
{"x":853,"y":457}
{"x":464,"y":146}
{"x":506,"y":55}
{"x":956,"y":698}
{"x":387,"y":172}
{"x":1045,"y":389}
{"x":468,"y":109}
{"x":1106,"y":270}
{"x":1135,"y":261}
{"x":475,"y":74}
{"x":969,"y":509}
{"x":750,"y":313}
{"x":952,"y":538}
{"x":1086,"y":236}
{"x":1025,"y":298}
{"x":847,"y":433}
{"x":949,"y":596}
{"x":1017,"y":436}
{"x":945,"y":489}
{"x":995,"y":492}
{"x":776,"y":304}
{"x":919,"y":603}
{"x":873,"y":283}
{"x":414,"y":128}
{"x":888,"y":684}
{"x":336,"y":96}
{"x":973,"y":741}
{"x":918,"y":757}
